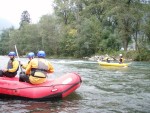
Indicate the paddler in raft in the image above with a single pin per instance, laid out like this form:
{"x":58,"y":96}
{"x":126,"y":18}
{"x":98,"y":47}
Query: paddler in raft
{"x":121,"y":59}
{"x":30,"y":56}
{"x":37,"y":70}
{"x":107,"y":59}
{"x":12,"y":66}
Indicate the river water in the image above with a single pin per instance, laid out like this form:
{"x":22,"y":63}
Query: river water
{"x":103,"y":89}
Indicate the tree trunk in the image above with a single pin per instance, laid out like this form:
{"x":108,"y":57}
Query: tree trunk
{"x":125,"y":43}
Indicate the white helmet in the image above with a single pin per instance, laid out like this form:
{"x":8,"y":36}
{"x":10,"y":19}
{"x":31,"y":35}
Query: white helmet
{"x":120,"y":55}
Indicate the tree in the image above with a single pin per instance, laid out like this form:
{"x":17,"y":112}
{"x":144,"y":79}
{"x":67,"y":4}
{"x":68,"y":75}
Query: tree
{"x":128,"y":15}
{"x":63,"y":9}
{"x":49,"y":34}
{"x":25,"y":18}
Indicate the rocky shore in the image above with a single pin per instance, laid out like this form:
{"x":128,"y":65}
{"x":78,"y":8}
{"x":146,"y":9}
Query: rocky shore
{"x":101,"y":57}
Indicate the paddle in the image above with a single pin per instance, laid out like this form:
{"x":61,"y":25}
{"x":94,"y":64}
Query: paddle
{"x":114,"y":58}
{"x":18,"y":58}
{"x":21,"y":73}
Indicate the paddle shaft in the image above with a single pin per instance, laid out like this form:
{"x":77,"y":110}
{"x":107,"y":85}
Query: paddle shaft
{"x":18,"y":58}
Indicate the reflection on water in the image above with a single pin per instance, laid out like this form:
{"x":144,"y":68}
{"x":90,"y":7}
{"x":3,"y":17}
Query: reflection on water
{"x":27,"y":106}
{"x":103,"y":90}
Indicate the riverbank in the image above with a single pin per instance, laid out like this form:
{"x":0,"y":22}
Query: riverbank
{"x":113,"y":55}
{"x":102,"y":57}
{"x":128,"y":56}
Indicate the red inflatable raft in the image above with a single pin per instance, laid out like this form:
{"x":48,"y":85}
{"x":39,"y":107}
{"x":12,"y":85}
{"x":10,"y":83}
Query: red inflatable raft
{"x":58,"y":88}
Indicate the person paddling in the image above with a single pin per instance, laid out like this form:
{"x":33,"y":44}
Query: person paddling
{"x":107,"y":59}
{"x":12,"y":66}
{"x":37,"y":70}
{"x":121,"y":59}
{"x":30,"y":56}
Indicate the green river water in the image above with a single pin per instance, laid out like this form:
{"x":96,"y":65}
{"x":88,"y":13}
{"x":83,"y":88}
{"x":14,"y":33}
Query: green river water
{"x":103,"y":89}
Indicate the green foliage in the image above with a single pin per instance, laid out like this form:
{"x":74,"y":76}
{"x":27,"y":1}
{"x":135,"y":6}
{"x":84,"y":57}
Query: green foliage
{"x":110,"y":41}
{"x":80,"y":28}
{"x":89,"y":37}
{"x":5,"y":43}
{"x":136,"y":56}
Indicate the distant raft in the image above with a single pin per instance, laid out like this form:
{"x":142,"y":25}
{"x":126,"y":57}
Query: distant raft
{"x":113,"y":64}
{"x":52,"y":88}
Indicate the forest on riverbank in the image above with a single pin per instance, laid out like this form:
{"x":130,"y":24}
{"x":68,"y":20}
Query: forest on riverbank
{"x":82,"y":28}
